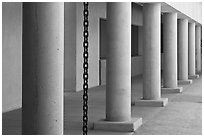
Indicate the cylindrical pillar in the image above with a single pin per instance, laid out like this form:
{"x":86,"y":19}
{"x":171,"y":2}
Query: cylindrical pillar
{"x":170,"y":50}
{"x":43,"y":52}
{"x":151,"y":51}
{"x":182,"y":49}
{"x":191,"y":49}
{"x":118,"y":73}
{"x":198,"y":48}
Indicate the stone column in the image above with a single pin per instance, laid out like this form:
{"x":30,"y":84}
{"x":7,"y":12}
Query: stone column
{"x":118,"y":70}
{"x":43,"y":63}
{"x":152,"y":56}
{"x":183,"y":52}
{"x":170,"y":53}
{"x":191,"y":51}
{"x":198,"y":48}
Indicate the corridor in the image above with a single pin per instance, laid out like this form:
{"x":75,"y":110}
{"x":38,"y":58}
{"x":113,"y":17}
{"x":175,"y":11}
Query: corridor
{"x":182,"y":116}
{"x":139,"y":62}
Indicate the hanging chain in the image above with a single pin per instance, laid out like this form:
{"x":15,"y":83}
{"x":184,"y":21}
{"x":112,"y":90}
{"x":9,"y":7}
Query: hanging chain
{"x":85,"y":67}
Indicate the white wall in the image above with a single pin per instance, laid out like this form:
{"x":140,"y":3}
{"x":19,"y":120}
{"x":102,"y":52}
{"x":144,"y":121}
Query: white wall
{"x":11,"y":56}
{"x":103,"y":71}
{"x":96,"y":10}
{"x":136,"y":66}
{"x":70,"y":46}
{"x":137,"y":15}
{"x":74,"y":44}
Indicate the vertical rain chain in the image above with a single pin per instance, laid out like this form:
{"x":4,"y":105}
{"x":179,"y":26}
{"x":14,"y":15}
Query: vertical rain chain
{"x":85,"y":67}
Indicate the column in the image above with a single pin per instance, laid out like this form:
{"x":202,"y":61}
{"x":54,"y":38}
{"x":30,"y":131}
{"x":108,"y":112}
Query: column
{"x":170,"y":53}
{"x":118,"y":70}
{"x":198,"y":48}
{"x":43,"y":53}
{"x":118,"y":87}
{"x":191,"y":51}
{"x":183,"y":52}
{"x":152,"y":56}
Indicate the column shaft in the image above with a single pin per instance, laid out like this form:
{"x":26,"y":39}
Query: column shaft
{"x":182,"y":49}
{"x":191,"y":49}
{"x":43,"y":52}
{"x":151,"y":51}
{"x":170,"y":50}
{"x":118,"y":74}
{"x":198,"y":48}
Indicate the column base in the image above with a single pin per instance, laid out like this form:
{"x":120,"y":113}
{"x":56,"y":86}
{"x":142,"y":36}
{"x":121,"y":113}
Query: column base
{"x":193,"y":76}
{"x":185,"y":82}
{"x":172,"y":90}
{"x":126,"y":126}
{"x":151,"y":103}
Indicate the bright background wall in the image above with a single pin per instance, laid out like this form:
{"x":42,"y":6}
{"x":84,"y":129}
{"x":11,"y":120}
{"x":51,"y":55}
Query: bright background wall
{"x":11,"y":56}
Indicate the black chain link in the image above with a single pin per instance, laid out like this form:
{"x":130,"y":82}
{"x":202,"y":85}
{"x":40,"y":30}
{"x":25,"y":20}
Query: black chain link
{"x":85,"y":67}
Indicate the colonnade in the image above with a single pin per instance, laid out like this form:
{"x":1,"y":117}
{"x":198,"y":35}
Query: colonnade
{"x":43,"y":36}
{"x":179,"y":62}
{"x":170,"y":82}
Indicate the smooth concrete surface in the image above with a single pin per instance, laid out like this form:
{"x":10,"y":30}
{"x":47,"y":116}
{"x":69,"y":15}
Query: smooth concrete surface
{"x":191,"y":48}
{"x":151,"y":51}
{"x":43,"y":68}
{"x":162,"y":102}
{"x":136,"y":14}
{"x":182,"y":116}
{"x":198,"y":48}
{"x":70,"y":46}
{"x":118,"y":69}
{"x":184,"y":82}
{"x":172,"y":90}
{"x":140,"y":41}
{"x":170,"y":50}
{"x":193,"y":76}
{"x":136,"y":68}
{"x":127,"y":126}
{"x":182,"y":49}
{"x":11,"y":56}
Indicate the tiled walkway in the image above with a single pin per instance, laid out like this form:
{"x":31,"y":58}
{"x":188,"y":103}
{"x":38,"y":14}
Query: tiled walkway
{"x":182,"y":116}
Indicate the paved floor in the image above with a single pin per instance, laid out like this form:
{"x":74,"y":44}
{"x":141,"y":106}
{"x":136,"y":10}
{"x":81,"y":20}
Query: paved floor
{"x":182,"y":116}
